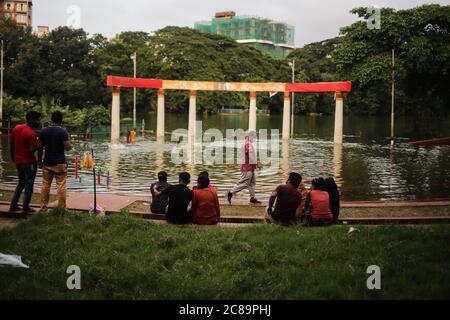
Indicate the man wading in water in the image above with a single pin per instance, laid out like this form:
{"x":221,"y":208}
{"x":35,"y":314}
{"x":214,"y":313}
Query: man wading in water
{"x":248,"y":167}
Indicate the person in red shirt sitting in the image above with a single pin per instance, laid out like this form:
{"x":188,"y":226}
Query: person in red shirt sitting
{"x":210,"y":186}
{"x":319,"y":203}
{"x":23,"y":148}
{"x":205,"y":203}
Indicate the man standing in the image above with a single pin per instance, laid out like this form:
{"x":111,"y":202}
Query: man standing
{"x":53,"y":140}
{"x":248,"y":167}
{"x":287,"y":201}
{"x":23,"y":148}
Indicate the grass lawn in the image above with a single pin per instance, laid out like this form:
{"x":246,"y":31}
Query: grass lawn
{"x":122,"y":257}
{"x":258,"y":211}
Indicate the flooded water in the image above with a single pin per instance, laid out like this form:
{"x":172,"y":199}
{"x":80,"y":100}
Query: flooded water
{"x":366,"y":167}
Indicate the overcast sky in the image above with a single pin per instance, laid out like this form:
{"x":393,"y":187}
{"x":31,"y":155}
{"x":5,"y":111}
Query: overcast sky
{"x":314,"y":20}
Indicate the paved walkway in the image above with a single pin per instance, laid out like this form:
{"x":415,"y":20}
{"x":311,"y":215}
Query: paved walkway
{"x":111,"y":203}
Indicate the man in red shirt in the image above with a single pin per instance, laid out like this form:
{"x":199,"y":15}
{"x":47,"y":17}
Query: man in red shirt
{"x":23,"y":147}
{"x":248,"y":167}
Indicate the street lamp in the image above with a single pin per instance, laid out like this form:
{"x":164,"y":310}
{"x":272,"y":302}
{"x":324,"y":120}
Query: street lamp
{"x":292,"y":65}
{"x":393,"y":94}
{"x":392,"y":97}
{"x":133,"y":57}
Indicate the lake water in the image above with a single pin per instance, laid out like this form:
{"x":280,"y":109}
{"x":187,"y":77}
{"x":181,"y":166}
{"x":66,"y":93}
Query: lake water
{"x":366,"y":167}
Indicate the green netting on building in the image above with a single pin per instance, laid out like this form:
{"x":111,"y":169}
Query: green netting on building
{"x":274,"y":38}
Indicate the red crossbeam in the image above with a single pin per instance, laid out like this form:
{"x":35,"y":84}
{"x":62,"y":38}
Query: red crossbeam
{"x":112,"y":81}
{"x":319,"y":87}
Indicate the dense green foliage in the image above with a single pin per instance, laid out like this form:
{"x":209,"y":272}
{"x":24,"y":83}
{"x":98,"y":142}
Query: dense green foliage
{"x":313,"y":63}
{"x":185,"y":54}
{"x":70,"y":66}
{"x":421,"y":39}
{"x":121,"y":257}
{"x":74,"y":118}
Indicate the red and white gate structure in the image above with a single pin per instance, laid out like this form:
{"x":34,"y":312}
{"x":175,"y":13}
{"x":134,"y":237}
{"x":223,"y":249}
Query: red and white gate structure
{"x":194,"y":86}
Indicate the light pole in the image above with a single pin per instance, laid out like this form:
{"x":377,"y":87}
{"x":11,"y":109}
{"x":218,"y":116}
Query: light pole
{"x":393,"y":94}
{"x":133,"y":57}
{"x":392,"y":97}
{"x":292,"y":64}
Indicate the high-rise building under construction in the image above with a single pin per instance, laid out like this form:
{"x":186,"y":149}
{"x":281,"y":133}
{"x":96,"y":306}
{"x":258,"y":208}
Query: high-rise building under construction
{"x":274,"y":38}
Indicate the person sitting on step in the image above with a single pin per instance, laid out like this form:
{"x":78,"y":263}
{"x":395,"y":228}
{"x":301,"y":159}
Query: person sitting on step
{"x":180,"y":196}
{"x":159,"y":204}
{"x":333,"y":192}
{"x":319,"y":203}
{"x":287,"y":201}
{"x":205,"y":203}
{"x":204,"y":173}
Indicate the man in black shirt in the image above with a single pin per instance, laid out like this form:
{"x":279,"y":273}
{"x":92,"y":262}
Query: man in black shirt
{"x":179,"y":198}
{"x":54,"y":140}
{"x":159,"y":204}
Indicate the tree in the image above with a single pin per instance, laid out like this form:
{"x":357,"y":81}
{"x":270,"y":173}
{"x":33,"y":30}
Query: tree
{"x":314,"y":64}
{"x":21,"y":58}
{"x":67,"y":69}
{"x":420,"y":37}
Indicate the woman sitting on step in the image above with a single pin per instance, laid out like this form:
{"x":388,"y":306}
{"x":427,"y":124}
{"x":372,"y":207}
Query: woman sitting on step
{"x":205,"y":203}
{"x":319,"y":204}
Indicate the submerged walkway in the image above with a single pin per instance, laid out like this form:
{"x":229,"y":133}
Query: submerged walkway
{"x":113,"y":203}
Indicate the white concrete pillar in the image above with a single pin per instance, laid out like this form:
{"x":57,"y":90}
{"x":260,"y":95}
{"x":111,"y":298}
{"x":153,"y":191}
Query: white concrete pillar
{"x":192,"y":115}
{"x":160,"y":117}
{"x":339,"y":118}
{"x":337,"y":163}
{"x":115,"y":116}
{"x":285,"y":160}
{"x":287,"y":116}
{"x":252,"y":112}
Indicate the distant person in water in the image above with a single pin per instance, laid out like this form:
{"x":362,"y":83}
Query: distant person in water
{"x":159,"y":204}
{"x":53,"y":142}
{"x":179,"y":198}
{"x":23,"y":148}
{"x":287,"y":200}
{"x":133,"y":136}
{"x":205,"y":203}
{"x":249,"y":164}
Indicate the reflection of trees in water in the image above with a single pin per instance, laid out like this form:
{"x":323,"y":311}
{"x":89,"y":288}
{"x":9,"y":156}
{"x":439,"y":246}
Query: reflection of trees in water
{"x":365,"y":167}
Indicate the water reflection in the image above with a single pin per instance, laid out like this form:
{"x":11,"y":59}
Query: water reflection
{"x":114,"y":165}
{"x":365,"y":167}
{"x":159,"y":155}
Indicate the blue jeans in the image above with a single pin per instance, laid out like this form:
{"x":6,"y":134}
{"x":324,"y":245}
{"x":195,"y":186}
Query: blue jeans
{"x":27,"y":173}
